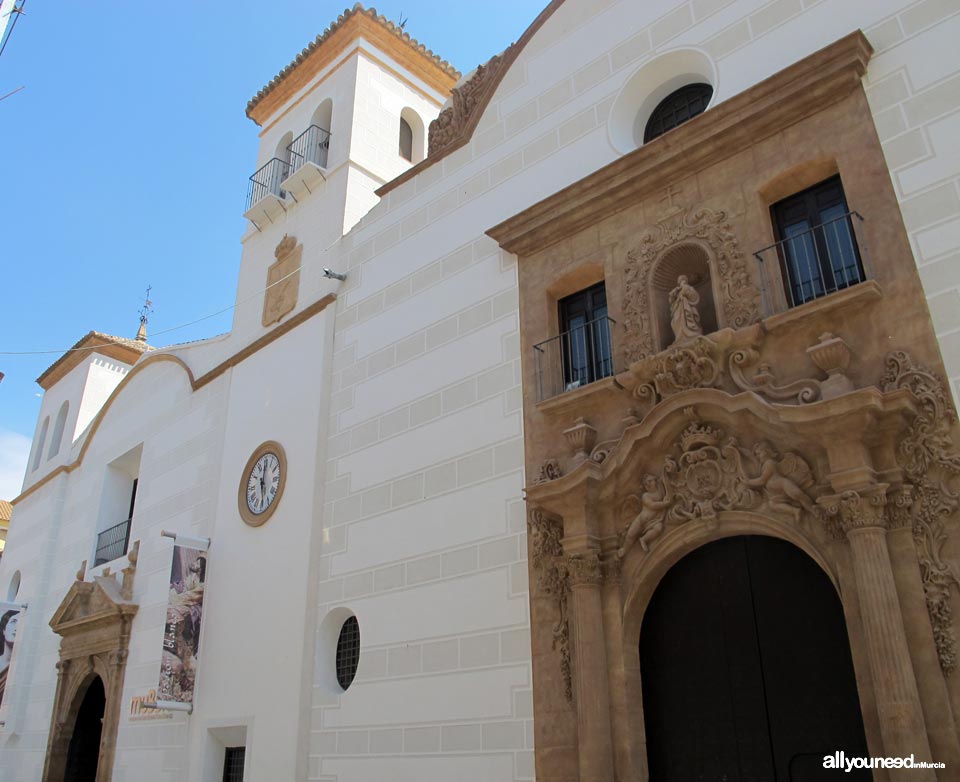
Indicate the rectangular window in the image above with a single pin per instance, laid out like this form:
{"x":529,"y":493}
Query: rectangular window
{"x":117,"y":503}
{"x":817,"y":246}
{"x":585,"y":353}
{"x":233,"y":758}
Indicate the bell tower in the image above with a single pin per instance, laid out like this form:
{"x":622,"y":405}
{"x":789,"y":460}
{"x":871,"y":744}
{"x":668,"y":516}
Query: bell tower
{"x":349,"y":114}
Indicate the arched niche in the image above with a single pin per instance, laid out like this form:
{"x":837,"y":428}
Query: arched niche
{"x":688,"y":260}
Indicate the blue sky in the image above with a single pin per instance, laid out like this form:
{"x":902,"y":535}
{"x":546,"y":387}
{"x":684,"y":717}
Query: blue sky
{"x":126,"y":159}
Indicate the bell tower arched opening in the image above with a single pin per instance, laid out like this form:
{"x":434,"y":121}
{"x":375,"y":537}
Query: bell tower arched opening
{"x":746,"y":668}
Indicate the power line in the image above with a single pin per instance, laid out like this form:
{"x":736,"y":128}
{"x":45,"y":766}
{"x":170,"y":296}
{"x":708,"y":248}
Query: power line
{"x":156,"y":333}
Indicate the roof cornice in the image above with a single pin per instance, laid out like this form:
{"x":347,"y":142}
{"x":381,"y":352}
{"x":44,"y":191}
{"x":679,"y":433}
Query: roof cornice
{"x":352,"y":24}
{"x":804,"y":88}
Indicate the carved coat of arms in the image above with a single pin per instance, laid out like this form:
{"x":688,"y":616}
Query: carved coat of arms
{"x":283,"y":281}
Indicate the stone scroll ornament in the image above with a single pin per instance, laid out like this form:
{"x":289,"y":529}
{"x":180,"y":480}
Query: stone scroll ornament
{"x":546,"y":556}
{"x":739,"y":299}
{"x":931,"y":463}
{"x":707,"y":472}
{"x":454,"y":121}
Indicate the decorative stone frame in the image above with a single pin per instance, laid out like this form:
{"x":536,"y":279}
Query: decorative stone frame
{"x":868,"y":445}
{"x":253,"y":519}
{"x":94,"y":622}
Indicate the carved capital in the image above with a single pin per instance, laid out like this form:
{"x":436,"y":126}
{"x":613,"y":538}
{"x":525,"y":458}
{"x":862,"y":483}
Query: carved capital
{"x":611,"y":568}
{"x":900,"y":507}
{"x":856,"y":510}
{"x":584,"y":569}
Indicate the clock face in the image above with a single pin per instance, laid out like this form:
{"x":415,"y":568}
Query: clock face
{"x":263,"y":482}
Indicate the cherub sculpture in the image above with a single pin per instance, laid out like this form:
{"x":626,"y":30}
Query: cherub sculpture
{"x":783,"y":479}
{"x":651,"y":507}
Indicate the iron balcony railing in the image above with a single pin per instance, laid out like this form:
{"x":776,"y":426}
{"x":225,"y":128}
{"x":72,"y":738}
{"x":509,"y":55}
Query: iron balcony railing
{"x":813,"y":263}
{"x":267,"y":181}
{"x":112,"y":543}
{"x":311,"y":146}
{"x":575,"y":358}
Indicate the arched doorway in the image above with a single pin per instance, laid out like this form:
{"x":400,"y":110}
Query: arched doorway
{"x":83,"y":754}
{"x":745,"y":668}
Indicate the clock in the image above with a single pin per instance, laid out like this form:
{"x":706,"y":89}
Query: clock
{"x":261,"y":484}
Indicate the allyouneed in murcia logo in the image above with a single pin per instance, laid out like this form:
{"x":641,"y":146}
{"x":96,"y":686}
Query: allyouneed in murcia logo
{"x":841,"y":762}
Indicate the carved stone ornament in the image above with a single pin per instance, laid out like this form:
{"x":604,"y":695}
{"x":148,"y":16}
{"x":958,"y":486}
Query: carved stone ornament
{"x":454,"y":120}
{"x":707,"y":472}
{"x":581,"y":437}
{"x":764,"y":381}
{"x":283,"y":281}
{"x":694,"y":365}
{"x":584,"y":569}
{"x":546,"y":557}
{"x":549,"y":471}
{"x":832,"y":355}
{"x":739,"y":299}
{"x":858,"y":510}
{"x":930,"y":461}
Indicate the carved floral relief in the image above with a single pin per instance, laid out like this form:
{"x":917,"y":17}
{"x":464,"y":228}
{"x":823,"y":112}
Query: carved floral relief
{"x":931,"y":462}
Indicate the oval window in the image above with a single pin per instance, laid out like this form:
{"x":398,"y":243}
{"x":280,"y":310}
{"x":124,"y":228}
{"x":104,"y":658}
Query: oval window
{"x":678,"y":107}
{"x":348,"y":652}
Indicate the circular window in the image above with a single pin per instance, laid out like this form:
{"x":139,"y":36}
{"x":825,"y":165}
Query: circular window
{"x":678,"y":107}
{"x":650,"y":87}
{"x":348,"y":652}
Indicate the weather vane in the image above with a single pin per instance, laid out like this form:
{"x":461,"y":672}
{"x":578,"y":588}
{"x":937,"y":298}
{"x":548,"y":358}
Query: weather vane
{"x":144,"y":313}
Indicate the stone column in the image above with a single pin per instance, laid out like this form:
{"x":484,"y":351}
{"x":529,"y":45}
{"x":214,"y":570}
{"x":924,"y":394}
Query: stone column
{"x":862,"y":518}
{"x":613,"y":632}
{"x":591,"y":685}
{"x":934,"y":696}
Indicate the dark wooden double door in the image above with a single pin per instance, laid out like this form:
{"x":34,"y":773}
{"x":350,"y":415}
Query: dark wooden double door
{"x":746,"y":668}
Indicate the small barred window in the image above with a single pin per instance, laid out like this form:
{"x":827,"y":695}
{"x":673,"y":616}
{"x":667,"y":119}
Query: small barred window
{"x":233,"y":764}
{"x":678,"y":107}
{"x":348,"y":652}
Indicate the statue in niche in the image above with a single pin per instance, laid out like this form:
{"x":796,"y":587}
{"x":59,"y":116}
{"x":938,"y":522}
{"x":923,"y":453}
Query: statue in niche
{"x":648,"y":522}
{"x":782,"y":479}
{"x":684,"y":317}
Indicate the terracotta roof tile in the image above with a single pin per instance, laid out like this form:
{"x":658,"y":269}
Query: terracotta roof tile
{"x":334,"y":26}
{"x":125,"y":348}
{"x":6,"y":510}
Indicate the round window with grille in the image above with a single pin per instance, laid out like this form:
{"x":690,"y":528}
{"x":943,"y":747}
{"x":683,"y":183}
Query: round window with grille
{"x":678,"y":107}
{"x":348,"y":652}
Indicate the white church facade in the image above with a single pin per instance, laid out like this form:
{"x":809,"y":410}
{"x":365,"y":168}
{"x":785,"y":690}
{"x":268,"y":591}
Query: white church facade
{"x":382,"y":528}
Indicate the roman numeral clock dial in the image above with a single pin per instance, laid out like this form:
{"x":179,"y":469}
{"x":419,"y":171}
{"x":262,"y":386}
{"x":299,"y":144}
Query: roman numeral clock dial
{"x":262,"y":483}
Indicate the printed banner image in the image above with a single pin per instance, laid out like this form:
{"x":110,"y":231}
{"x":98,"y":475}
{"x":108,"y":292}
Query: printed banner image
{"x":181,"y":633}
{"x":9,"y":620}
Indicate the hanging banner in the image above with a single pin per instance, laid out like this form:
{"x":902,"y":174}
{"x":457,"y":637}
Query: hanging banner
{"x":181,"y":633}
{"x":9,"y":620}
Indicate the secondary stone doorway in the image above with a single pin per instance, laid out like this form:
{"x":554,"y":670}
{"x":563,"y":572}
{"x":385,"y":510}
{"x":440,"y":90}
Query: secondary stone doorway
{"x":746,"y":668}
{"x":83,"y":755}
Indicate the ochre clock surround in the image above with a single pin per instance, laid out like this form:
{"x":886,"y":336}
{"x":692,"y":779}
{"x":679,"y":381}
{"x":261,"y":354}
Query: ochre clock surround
{"x":249,"y":515}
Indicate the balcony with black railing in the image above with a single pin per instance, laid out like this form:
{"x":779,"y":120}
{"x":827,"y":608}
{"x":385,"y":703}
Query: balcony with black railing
{"x":574,"y":359}
{"x":813,"y":263}
{"x":265,"y":194}
{"x":112,"y":543}
{"x":309,"y":153}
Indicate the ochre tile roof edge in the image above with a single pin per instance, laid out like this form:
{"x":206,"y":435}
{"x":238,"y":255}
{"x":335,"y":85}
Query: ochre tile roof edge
{"x":358,"y":8}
